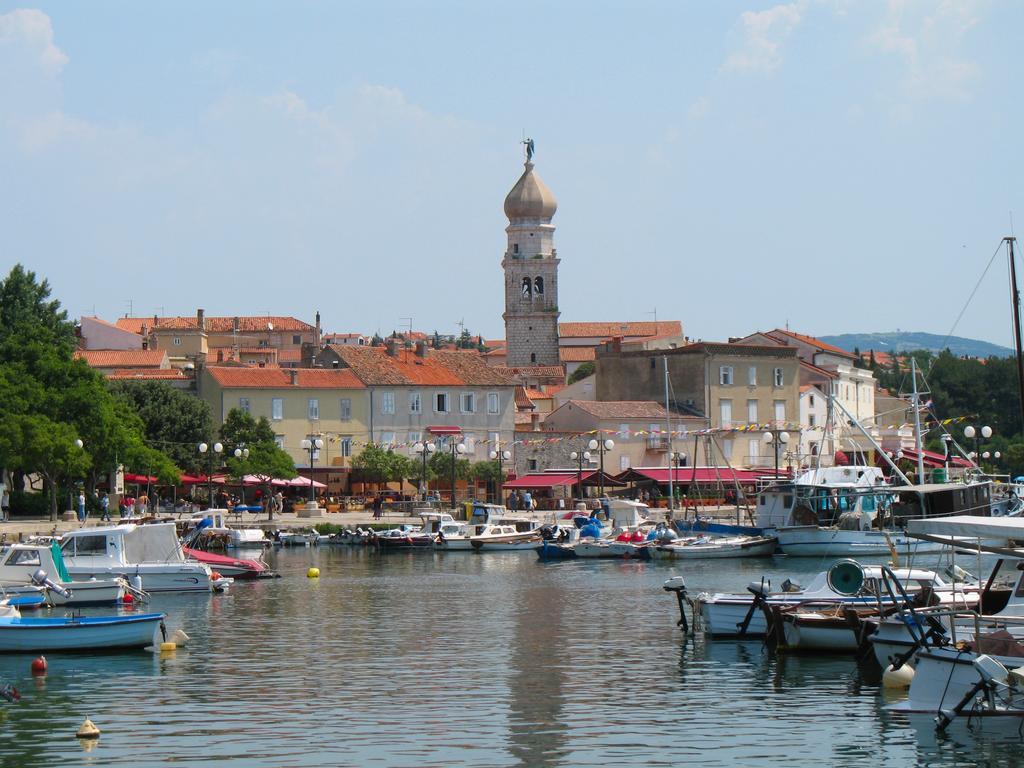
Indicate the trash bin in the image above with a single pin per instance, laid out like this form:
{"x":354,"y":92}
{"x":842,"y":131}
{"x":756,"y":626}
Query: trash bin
{"x":939,"y":475}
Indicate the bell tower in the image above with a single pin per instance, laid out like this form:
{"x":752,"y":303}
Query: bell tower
{"x":531,"y":271}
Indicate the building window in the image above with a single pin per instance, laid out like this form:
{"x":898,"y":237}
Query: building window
{"x":538,"y":286}
{"x":387,"y":439}
{"x":810,"y":400}
{"x":533,"y":357}
{"x":387,"y":402}
{"x":725,"y":408}
{"x":812,"y":420}
{"x":727,"y":449}
{"x":415,"y":404}
{"x":414,"y":437}
{"x":279,"y":441}
{"x":345,"y":445}
{"x":752,"y":411}
{"x":531,"y":465}
{"x":346,"y":409}
{"x":754,"y":446}
{"x":277,"y":408}
{"x":492,"y":402}
{"x":515,"y":248}
{"x":243,"y":405}
{"x":468,"y":402}
{"x":527,"y":288}
{"x":313,"y":409}
{"x":779,"y":379}
{"x":177,"y":341}
{"x":780,"y":410}
{"x":725,"y":375}
{"x":296,"y":339}
{"x":441,"y":402}
{"x":469,"y":440}
{"x":752,"y":376}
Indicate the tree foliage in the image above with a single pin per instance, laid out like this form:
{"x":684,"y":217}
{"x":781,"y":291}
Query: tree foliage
{"x":265,"y":460}
{"x":383,"y":464}
{"x":584,"y":370}
{"x":441,"y":465}
{"x":172,"y":420}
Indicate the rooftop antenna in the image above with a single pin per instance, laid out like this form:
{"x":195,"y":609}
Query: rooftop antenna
{"x":462,"y":325}
{"x":131,"y":308}
{"x":655,"y":313}
{"x":410,"y":323}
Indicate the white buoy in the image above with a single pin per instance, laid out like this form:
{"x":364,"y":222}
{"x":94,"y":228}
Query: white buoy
{"x":898,"y":678}
{"x":137,"y":582}
{"x":179,"y":638}
{"x":88,"y":730}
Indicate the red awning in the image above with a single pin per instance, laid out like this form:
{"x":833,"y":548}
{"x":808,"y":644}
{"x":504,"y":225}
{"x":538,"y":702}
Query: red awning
{"x":683,"y":475}
{"x":934,"y":460}
{"x":192,"y":480}
{"x":139,"y":479}
{"x":441,"y":430}
{"x":591,"y":477}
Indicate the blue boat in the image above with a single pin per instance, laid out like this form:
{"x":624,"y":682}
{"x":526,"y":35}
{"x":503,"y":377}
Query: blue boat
{"x":77,"y":633}
{"x":553,"y":550}
{"x":704,"y":525}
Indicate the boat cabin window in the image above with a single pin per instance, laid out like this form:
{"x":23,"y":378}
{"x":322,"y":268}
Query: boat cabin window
{"x":869,"y":503}
{"x":24,"y":557}
{"x":1019,"y":592}
{"x":787,"y":501}
{"x":86,"y":545}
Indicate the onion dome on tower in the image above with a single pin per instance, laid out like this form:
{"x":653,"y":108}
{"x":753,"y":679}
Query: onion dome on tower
{"x":530,"y":198}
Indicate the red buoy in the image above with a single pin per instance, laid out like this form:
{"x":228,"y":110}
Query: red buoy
{"x":215,"y":576}
{"x":39,"y":666}
{"x":128,"y":598}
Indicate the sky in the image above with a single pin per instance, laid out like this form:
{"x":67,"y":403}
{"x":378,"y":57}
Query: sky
{"x":832,"y":165}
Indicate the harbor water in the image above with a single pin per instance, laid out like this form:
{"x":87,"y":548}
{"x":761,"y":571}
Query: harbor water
{"x":442,"y":659}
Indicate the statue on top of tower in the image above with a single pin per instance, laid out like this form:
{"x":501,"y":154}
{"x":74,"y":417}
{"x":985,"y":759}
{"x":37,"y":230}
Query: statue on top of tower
{"x":529,"y":149}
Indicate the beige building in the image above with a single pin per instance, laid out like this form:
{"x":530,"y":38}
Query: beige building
{"x":331,"y":404}
{"x":738,"y":390}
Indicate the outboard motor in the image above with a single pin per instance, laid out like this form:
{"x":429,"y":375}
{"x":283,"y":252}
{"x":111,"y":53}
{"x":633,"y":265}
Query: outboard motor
{"x":40,"y":579}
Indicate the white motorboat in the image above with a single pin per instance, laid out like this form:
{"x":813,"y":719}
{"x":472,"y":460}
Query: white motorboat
{"x":305,"y":538}
{"x":506,"y":537}
{"x":710,"y":547}
{"x":220,"y":527}
{"x":151,"y":554}
{"x":20,"y":565}
{"x":742,"y":615}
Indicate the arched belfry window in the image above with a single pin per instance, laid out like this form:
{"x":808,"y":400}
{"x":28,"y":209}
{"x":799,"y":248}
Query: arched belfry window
{"x":538,"y":286}
{"x":526,"y":287}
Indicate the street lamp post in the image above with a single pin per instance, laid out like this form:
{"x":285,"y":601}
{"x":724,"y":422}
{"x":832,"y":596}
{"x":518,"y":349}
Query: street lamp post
{"x":501,"y":457}
{"x":312,"y":445}
{"x":457,"y":450}
{"x":977,"y":434}
{"x":775,"y":438}
{"x":579,"y":457}
{"x":71,"y":488}
{"x":204,"y":449}
{"x":242,"y":454}
{"x":601,"y":446}
{"x":424,"y":450}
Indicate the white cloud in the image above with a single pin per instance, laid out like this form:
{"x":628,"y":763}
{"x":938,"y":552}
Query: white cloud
{"x":31,"y":29}
{"x":929,"y":46}
{"x":699,"y":109}
{"x":765,"y":32}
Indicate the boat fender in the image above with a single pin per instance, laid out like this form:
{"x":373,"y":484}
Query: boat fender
{"x":88,"y":730}
{"x":39,"y":665}
{"x":898,"y":678}
{"x":137,"y":582}
{"x":313,"y":573}
{"x":179,"y":638}
{"x":215,"y":576}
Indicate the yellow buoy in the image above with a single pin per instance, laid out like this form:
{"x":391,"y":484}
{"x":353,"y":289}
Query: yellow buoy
{"x":88,"y":730}
{"x":168,"y":647}
{"x":313,"y":573}
{"x":898,"y":678}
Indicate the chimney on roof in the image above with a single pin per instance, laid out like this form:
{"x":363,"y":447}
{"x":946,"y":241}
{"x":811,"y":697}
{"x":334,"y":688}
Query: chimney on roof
{"x":334,"y":363}
{"x":236,"y":325}
{"x":154,"y":321}
{"x":421,"y":349}
{"x":293,"y":373}
{"x":614,"y":344}
{"x":734,"y":339}
{"x":392,"y":347}
{"x":316,"y":331}
{"x":201,"y":319}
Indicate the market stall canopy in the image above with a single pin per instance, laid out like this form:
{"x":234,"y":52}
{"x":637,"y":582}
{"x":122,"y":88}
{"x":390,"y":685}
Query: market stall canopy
{"x":542,"y":480}
{"x":192,"y":479}
{"x":296,"y":482}
{"x":139,"y":479}
{"x":933,"y":460}
{"x":683,"y":475}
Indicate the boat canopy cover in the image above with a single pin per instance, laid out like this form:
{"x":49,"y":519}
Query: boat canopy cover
{"x":152,"y":543}
{"x":969,"y":526}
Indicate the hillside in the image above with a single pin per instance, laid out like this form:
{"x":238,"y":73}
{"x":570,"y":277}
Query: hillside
{"x":902,"y":341}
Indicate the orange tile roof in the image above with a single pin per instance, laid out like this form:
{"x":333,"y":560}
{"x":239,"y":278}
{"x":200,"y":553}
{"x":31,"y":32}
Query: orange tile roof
{"x":619,"y":409}
{"x":536,"y":394}
{"x":245,"y":377}
{"x":604,"y":330}
{"x":813,"y":342}
{"x":148,"y":374}
{"x":442,"y":368}
{"x":248,"y":324}
{"x":123,"y":358}
{"x":522,"y":400}
{"x":577,"y":354}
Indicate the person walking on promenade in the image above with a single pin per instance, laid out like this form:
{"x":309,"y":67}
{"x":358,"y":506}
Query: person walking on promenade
{"x":5,"y":503}
{"x":81,"y":506}
{"x":104,"y":507}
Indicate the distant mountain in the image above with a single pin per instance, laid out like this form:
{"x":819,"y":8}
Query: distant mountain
{"x":905,"y":341}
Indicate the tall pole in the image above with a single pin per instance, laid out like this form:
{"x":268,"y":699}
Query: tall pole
{"x":671,"y":456}
{"x":915,"y":402}
{"x":1016,"y":321}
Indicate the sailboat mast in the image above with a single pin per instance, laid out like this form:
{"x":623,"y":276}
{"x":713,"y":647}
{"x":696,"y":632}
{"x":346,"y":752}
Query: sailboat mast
{"x":1016,"y":320}
{"x":915,"y":401}
{"x":671,"y":457}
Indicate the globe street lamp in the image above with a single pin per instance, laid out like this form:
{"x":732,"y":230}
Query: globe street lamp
{"x":242,"y":454}
{"x":424,"y":450}
{"x":972,"y":433}
{"x":770,"y":438}
{"x":579,"y":458}
{"x":312,"y":446}
{"x":71,"y":491}
{"x":601,"y":446}
{"x":457,"y":450}
{"x":501,"y":457}
{"x":204,"y":449}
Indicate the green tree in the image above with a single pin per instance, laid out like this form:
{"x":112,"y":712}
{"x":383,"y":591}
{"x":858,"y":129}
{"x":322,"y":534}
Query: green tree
{"x":584,"y":370}
{"x":173,"y":421}
{"x":383,"y":465}
{"x":265,"y":459}
{"x":27,"y":312}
